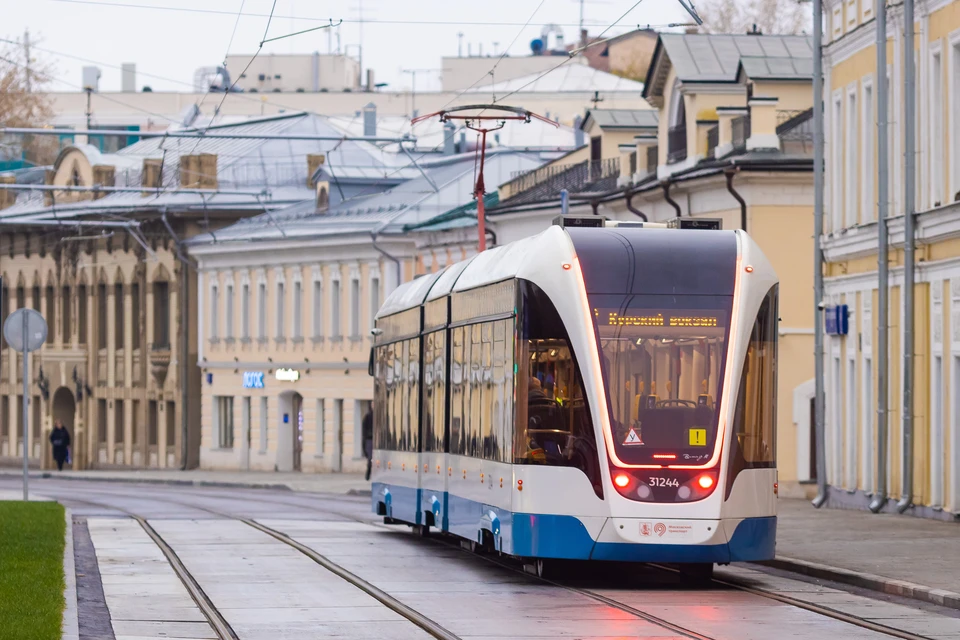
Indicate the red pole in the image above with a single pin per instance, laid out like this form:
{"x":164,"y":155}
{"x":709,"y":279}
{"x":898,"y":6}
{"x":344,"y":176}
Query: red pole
{"x":481,"y":221}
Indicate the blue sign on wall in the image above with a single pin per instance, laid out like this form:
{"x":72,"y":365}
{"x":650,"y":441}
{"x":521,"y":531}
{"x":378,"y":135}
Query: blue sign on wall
{"x":253,"y":379}
{"x":835,"y":320}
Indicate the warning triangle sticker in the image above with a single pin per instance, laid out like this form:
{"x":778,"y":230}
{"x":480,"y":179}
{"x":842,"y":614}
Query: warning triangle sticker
{"x":632,"y":438}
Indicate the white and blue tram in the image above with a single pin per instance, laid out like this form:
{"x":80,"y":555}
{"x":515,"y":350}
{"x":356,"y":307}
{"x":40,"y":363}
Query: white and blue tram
{"x":601,"y":391}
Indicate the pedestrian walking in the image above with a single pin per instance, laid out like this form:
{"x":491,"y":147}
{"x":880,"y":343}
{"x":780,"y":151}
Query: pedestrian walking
{"x":368,"y":440}
{"x":60,"y":439}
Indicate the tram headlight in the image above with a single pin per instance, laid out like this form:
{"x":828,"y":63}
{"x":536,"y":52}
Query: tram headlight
{"x":622,"y":480}
{"x":705,"y":481}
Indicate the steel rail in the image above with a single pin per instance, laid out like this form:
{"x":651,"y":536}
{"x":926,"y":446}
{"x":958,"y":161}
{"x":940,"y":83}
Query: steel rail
{"x":814,"y":608}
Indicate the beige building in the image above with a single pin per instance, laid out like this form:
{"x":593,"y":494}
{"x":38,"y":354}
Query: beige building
{"x":850,"y":245}
{"x":294,"y":73}
{"x":101,"y":258}
{"x":287,"y":305}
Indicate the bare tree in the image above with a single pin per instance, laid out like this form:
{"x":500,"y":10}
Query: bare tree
{"x":24,"y":102}
{"x":782,"y":17}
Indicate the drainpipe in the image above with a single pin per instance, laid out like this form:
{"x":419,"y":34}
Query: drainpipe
{"x":184,"y":345}
{"x":883,"y":311}
{"x":729,"y":173}
{"x":628,"y":198}
{"x":909,"y":196}
{"x":493,"y":236}
{"x":595,"y":205}
{"x":665,"y":185}
{"x":388,"y":256}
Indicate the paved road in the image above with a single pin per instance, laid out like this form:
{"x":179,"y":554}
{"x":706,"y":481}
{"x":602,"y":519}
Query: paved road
{"x":260,"y":564}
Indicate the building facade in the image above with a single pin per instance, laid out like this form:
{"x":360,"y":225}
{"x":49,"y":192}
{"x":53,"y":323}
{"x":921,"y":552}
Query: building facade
{"x":850,"y":244}
{"x":98,"y":251}
{"x":287,"y":305}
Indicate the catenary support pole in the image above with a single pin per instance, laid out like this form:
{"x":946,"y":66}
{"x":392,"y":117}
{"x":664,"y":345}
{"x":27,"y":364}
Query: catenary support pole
{"x":883,"y":305}
{"x":818,"y":408}
{"x":909,"y":204}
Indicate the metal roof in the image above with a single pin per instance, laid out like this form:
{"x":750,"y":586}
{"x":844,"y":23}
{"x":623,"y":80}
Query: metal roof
{"x":777,"y":68}
{"x":571,"y":77}
{"x":622,"y":118}
{"x":711,"y":57}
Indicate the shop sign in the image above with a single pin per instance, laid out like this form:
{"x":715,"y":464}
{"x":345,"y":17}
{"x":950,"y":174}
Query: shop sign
{"x":253,"y":379}
{"x":288,"y":375}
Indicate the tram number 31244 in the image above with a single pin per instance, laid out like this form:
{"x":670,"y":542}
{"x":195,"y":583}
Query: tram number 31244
{"x":663,"y":482}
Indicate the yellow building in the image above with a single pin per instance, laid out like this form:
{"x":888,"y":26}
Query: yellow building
{"x":850,"y":244}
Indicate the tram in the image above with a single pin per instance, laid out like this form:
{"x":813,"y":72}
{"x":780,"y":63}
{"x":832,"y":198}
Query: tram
{"x":601,"y":391}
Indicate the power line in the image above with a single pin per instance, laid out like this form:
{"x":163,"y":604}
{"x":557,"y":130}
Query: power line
{"x":481,"y":23}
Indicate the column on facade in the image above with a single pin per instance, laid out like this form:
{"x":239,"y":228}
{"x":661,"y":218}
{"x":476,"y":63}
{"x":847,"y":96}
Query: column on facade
{"x":128,"y":417}
{"x":111,"y":371}
{"x":173,"y":374}
{"x":44,"y":403}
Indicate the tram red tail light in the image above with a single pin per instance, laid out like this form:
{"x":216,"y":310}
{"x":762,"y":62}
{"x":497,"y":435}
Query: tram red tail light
{"x":622,"y":480}
{"x":705,"y":481}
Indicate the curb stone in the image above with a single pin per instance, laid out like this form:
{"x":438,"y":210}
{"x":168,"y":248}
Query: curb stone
{"x":870,"y":581}
{"x":71,"y":621}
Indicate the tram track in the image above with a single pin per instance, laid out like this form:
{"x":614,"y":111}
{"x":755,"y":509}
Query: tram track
{"x":217,"y":622}
{"x":438,"y":631}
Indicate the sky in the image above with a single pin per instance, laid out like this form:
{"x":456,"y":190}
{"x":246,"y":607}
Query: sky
{"x":172,"y":38}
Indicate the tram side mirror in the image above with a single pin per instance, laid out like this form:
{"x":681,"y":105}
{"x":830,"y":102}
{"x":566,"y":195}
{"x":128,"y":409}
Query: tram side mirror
{"x":370,"y":363}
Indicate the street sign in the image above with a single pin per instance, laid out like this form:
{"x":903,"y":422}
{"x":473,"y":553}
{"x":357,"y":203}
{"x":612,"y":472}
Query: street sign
{"x":25,"y":331}
{"x":836,"y":320}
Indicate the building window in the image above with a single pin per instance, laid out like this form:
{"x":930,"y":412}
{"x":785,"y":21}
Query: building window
{"x":245,"y":408}
{"x":937,"y":161}
{"x":214,"y":312}
{"x":374,"y":299}
{"x":869,"y":133}
{"x":354,"y":308}
{"x":297,"y":311}
{"x":335,"y":332}
{"x":836,"y":424}
{"x":101,"y":420}
{"x":280,"y":304}
{"x":317,"y":309}
{"x":21,"y":298}
{"x":263,"y":425}
{"x":35,"y":297}
{"x":321,"y":427}
{"x":118,"y":426}
{"x":82,"y":314}
{"x":851,"y":438}
{"x":853,"y":167}
{"x":102,"y":316}
{"x":135,"y":314}
{"x":172,"y":424}
{"x":836,"y":171}
{"x":49,"y":295}
{"x":153,"y":421}
{"x":161,"y":315}
{"x":262,"y":311}
{"x":228,"y":313}
{"x":135,"y":435}
{"x":245,"y":311}
{"x":64,"y":313}
{"x":119,"y":325}
{"x":955,"y":119}
{"x":223,"y":406}
{"x":867,"y":452}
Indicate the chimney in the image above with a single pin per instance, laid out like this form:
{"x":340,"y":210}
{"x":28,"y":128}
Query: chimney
{"x":323,"y":196}
{"x":150,"y":177}
{"x":583,"y":37}
{"x":578,"y":137}
{"x":315,"y":72}
{"x":7,"y":196}
{"x":370,"y":83}
{"x":763,"y":124}
{"x":314,"y":162}
{"x":644,"y":143}
{"x":104,"y":175}
{"x":128,"y":80}
{"x":449,"y":144}
{"x":199,"y":171}
{"x":463,"y":142}
{"x":725,"y":117}
{"x":91,"y":78}
{"x":370,"y":120}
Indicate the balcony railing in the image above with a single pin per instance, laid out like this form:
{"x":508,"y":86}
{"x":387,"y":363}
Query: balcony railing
{"x":713,"y":139}
{"x":740,"y":132}
{"x":547,"y":182}
{"x":677,"y":144}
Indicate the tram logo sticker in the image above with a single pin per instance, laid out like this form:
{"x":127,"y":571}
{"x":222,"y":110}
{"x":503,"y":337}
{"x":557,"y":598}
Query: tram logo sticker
{"x":698,"y":437}
{"x":660,"y":529}
{"x":646,"y":529}
{"x":632,"y":438}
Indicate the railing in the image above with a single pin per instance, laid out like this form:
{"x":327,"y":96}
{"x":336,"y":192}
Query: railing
{"x":740,"y":132}
{"x":713,"y":139}
{"x":574,"y":178}
{"x":524,"y":180}
{"x":653,"y":158}
{"x":795,"y":129}
{"x":677,"y":144}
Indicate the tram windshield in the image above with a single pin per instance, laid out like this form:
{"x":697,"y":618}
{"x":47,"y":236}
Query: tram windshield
{"x":663,"y":360}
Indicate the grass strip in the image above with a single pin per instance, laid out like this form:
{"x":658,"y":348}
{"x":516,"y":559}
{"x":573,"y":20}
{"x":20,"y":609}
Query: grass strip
{"x":31,"y":570}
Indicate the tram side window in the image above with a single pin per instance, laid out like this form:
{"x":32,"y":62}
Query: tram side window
{"x":434,"y":360}
{"x":457,"y":375}
{"x":379,"y":400}
{"x":755,"y":419}
{"x":553,"y":422}
{"x":413,"y":391}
